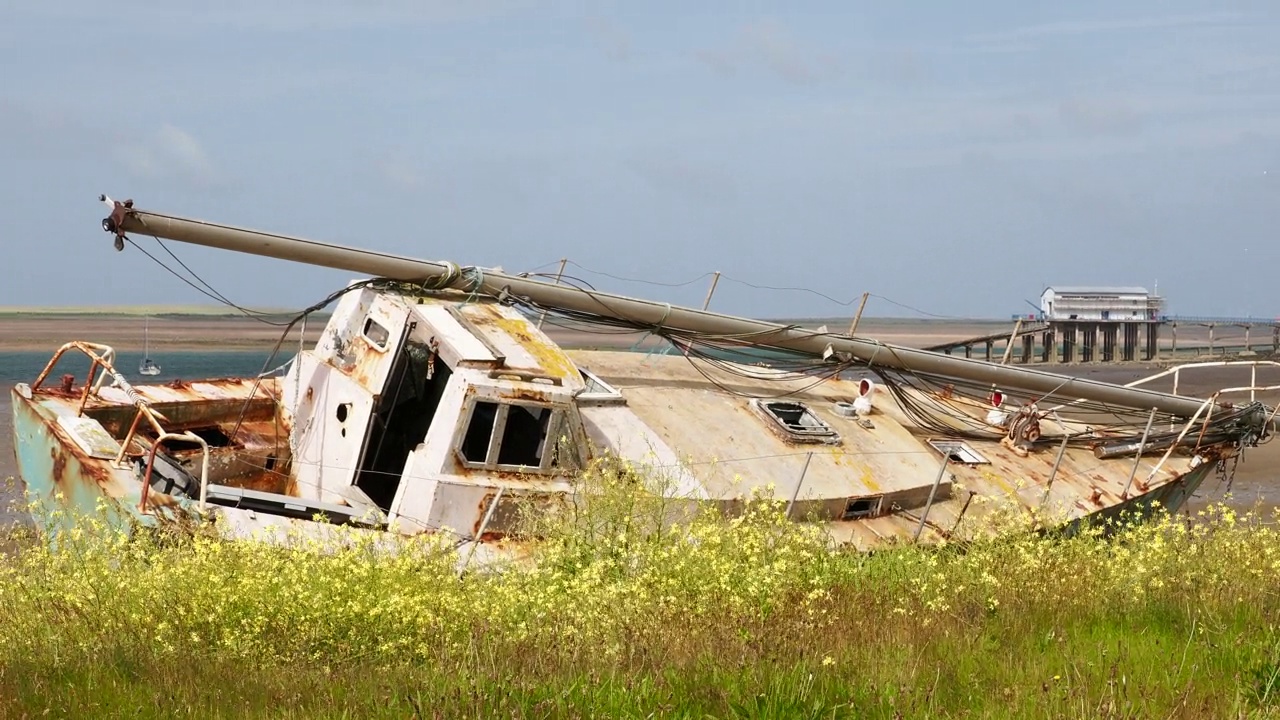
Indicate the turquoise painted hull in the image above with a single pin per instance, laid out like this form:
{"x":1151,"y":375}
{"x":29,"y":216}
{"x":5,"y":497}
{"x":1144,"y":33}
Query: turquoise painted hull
{"x":63,"y":488}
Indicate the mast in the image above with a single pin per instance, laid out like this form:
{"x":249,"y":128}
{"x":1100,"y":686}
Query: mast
{"x":125,"y":218}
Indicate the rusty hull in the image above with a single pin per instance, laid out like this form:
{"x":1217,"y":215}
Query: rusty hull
{"x":67,"y":456}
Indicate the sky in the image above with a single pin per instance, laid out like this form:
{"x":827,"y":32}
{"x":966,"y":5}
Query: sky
{"x":952,"y":159}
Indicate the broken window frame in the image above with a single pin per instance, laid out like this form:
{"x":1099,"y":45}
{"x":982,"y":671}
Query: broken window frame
{"x":877,"y":504}
{"x":821,"y":432}
{"x":953,"y":448}
{"x":605,"y":394}
{"x":547,"y":455}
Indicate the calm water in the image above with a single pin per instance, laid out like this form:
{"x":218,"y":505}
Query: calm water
{"x":16,"y":367}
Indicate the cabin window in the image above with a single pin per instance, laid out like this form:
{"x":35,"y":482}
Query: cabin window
{"x":375,"y":333}
{"x":796,"y":420}
{"x":475,"y":444}
{"x":523,"y":435}
{"x":958,"y":451}
{"x":509,"y":436}
{"x":862,"y":507}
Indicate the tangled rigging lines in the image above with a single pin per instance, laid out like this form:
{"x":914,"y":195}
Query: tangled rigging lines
{"x":927,"y":399}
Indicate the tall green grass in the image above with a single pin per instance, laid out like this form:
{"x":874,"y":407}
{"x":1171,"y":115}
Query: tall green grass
{"x":624,"y":612}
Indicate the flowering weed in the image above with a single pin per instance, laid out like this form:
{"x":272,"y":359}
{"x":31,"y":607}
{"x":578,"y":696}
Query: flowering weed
{"x":635,"y":605}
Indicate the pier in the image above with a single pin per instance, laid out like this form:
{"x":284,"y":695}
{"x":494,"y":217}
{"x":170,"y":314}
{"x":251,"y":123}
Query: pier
{"x":1170,"y":338}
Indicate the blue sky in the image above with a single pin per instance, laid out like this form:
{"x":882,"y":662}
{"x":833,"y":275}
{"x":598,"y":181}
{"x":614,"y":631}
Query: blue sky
{"x":953,"y":158}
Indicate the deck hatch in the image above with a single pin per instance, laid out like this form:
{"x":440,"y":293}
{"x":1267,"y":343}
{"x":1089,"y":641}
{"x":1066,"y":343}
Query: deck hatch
{"x":796,"y":421}
{"x":959,"y":451}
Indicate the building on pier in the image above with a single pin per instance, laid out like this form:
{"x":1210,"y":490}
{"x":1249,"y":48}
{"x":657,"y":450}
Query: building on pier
{"x":1107,"y":304}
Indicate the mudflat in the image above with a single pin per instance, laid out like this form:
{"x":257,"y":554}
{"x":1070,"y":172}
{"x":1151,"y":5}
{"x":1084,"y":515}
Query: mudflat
{"x":33,"y":332}
{"x":49,"y":332}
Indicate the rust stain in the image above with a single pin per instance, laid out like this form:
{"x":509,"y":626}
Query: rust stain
{"x":483,"y":508}
{"x":265,"y":481}
{"x":90,"y":469}
{"x":526,"y":394}
{"x":157,"y":500}
{"x":59,"y":464}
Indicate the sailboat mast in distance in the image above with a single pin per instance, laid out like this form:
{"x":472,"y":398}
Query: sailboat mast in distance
{"x":147,"y":367}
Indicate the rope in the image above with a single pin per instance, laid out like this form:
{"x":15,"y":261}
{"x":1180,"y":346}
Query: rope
{"x":476,"y":276}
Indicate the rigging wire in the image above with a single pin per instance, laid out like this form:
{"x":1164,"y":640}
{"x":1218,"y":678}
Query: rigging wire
{"x":919,"y":395}
{"x":211,"y":293}
{"x":774,"y":288}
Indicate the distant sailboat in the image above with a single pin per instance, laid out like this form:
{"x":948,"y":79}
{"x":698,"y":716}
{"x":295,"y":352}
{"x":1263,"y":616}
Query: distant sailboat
{"x":147,"y":367}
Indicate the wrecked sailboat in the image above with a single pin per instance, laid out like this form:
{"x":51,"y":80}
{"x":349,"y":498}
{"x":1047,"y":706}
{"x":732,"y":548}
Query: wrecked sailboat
{"x":433,"y":402}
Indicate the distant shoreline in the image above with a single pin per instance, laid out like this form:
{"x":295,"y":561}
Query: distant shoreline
{"x":41,"y":331}
{"x":171,"y":314}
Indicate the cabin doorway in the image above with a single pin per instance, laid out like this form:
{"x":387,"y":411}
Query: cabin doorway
{"x":401,"y":419}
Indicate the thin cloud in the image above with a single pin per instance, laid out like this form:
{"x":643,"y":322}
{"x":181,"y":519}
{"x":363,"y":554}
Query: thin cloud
{"x":169,"y":152}
{"x":1106,"y":115}
{"x":615,"y":41}
{"x":1018,"y":37}
{"x":666,"y":170}
{"x":280,"y":15}
{"x":770,"y":44}
{"x":399,"y":173}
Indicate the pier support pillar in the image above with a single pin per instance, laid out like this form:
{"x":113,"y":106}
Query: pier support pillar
{"x":1129,"y":347}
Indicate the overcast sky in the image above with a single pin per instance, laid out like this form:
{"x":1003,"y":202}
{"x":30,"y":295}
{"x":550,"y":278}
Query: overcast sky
{"x":954,"y":158}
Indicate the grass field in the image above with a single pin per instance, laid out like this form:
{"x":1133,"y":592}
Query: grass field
{"x":621,"y":614}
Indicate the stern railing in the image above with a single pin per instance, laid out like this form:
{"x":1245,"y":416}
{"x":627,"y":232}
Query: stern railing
{"x":1252,"y":388}
{"x":103,"y":356}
